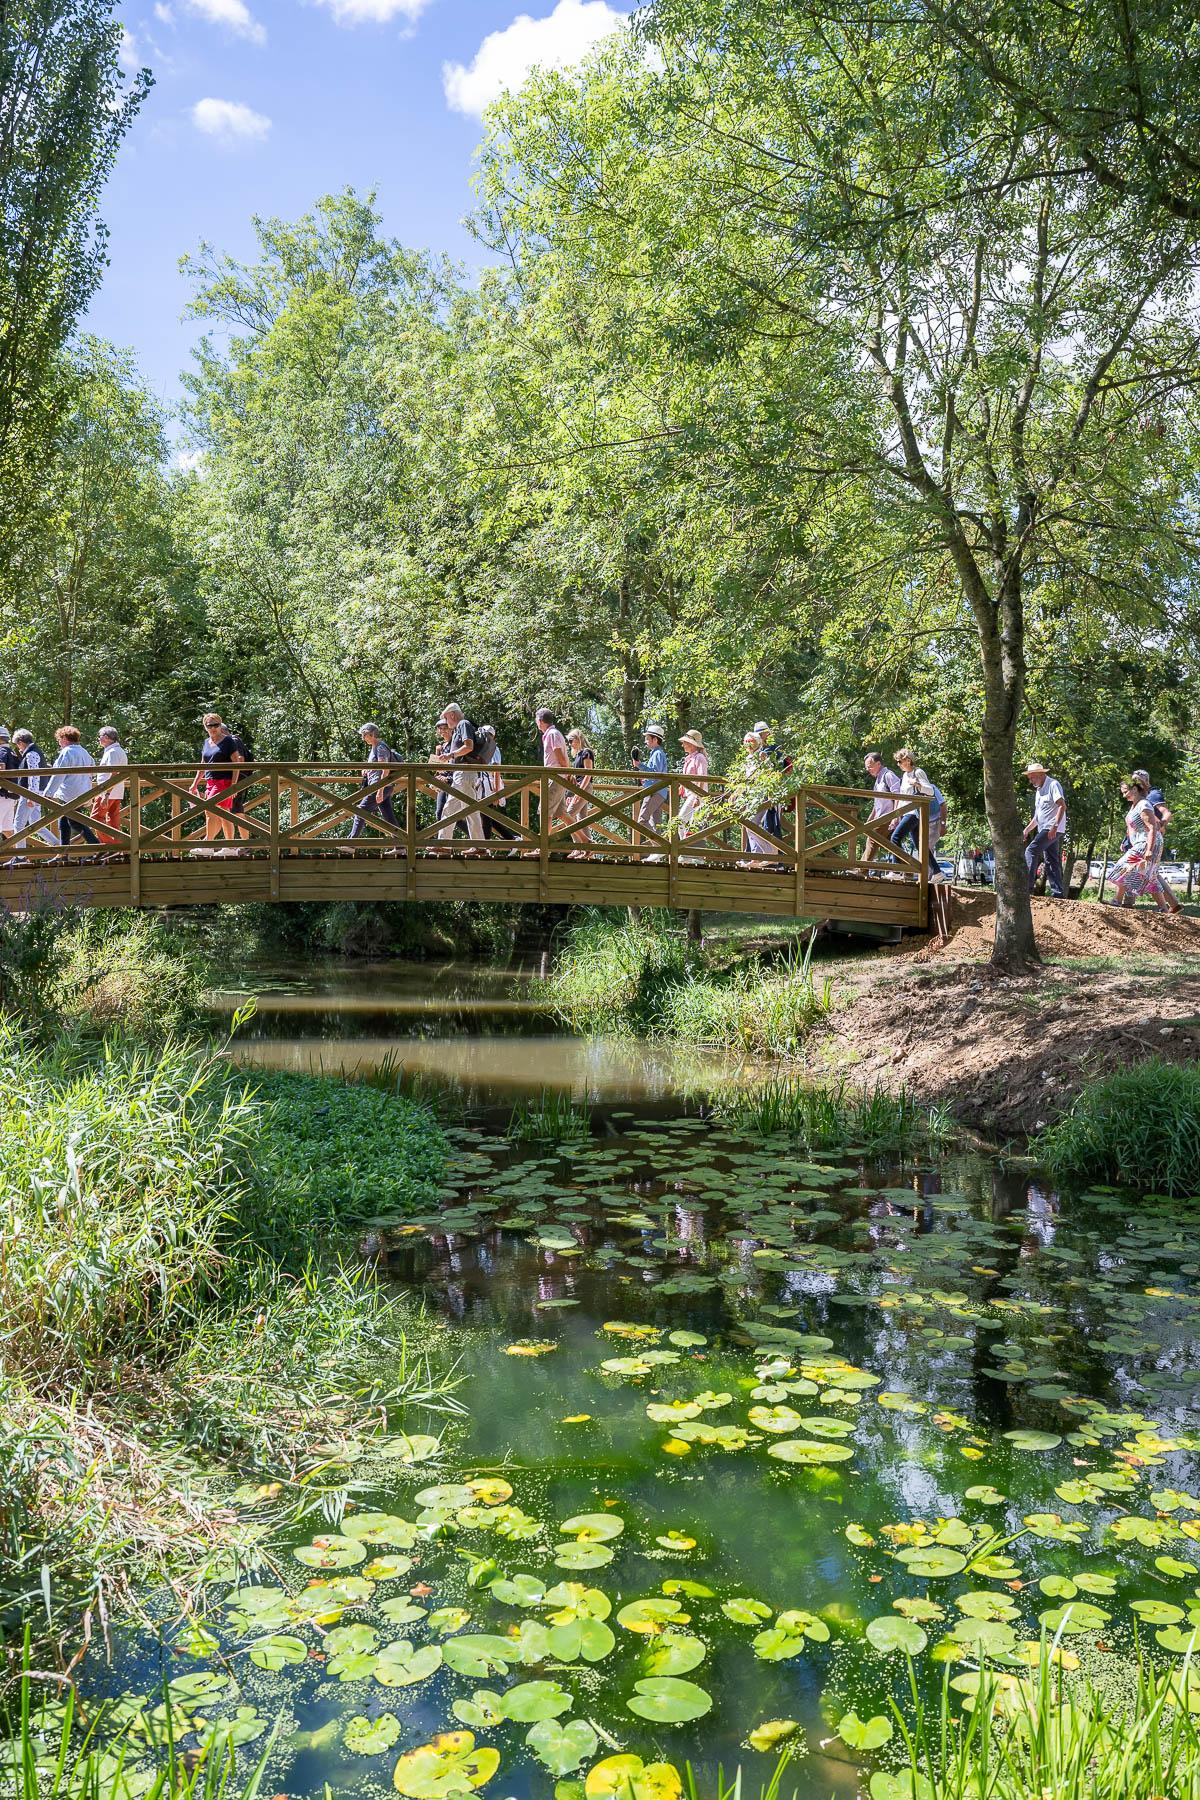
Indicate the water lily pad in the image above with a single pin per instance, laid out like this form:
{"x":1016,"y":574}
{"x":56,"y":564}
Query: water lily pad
{"x":629,"y":1778}
{"x":577,"y":1555}
{"x":668,"y":1701}
{"x":370,"y":1737}
{"x":400,"y":1665}
{"x":888,"y":1634}
{"x":771,"y":1733}
{"x":480,"y":1654}
{"x":673,"y":1652}
{"x":277,"y":1652}
{"x":330,"y":1552}
{"x":744,"y":1611}
{"x":932,"y":1560}
{"x":808,"y":1452}
{"x":412,"y":1447}
{"x":593,"y":1528}
{"x":562,"y":1745}
{"x":1033,"y":1440}
{"x":648,"y":1616}
{"x":518,"y":1590}
{"x":786,"y":1637}
{"x":587,"y":1638}
{"x":531,"y":1701}
{"x":446,"y":1766}
{"x":380,"y":1528}
{"x":1077,"y":1617}
{"x":864,"y":1734}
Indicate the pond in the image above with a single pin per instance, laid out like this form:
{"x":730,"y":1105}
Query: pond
{"x":746,"y":1429}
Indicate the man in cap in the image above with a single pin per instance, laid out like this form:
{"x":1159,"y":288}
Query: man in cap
{"x":9,"y":759}
{"x":1046,"y":831}
{"x":654,"y":799}
{"x":376,"y":802}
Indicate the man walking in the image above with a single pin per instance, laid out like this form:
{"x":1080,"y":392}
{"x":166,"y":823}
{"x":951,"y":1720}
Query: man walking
{"x":654,"y":800}
{"x":886,"y":782}
{"x":554,"y":756}
{"x":106,"y":807}
{"x":1046,"y":831}
{"x":460,"y":753}
{"x":376,"y":802}
{"x":29,"y":810}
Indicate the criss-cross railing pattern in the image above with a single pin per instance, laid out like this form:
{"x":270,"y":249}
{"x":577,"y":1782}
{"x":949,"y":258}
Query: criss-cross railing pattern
{"x":697,"y":833}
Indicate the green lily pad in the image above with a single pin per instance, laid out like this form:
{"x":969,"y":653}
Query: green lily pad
{"x":445,"y":1767}
{"x":277,"y":1652}
{"x":888,"y":1633}
{"x":1033,"y":1440}
{"x":864,"y":1734}
{"x":667,"y":1701}
{"x":532,"y":1701}
{"x":400,"y":1665}
{"x":330,"y":1551}
{"x":593,"y":1528}
{"x":673,"y":1652}
{"x":809,"y":1452}
{"x":562,"y":1745}
{"x":577,"y":1555}
{"x":370,"y":1737}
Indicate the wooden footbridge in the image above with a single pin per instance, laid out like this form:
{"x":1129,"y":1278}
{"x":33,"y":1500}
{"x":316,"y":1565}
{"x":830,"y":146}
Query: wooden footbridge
{"x":301,"y":831}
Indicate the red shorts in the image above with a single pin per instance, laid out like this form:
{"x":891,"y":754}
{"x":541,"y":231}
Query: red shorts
{"x":215,"y":785}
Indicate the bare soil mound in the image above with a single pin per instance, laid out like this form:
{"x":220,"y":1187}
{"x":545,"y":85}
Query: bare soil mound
{"x":1065,"y":928}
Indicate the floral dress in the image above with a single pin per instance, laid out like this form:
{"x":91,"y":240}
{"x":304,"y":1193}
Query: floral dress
{"x":1137,"y":870}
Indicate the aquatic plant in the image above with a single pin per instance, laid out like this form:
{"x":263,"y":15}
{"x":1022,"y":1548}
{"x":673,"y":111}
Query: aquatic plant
{"x":1138,"y":1126}
{"x":554,"y":1118}
{"x":612,"y":974}
{"x":825,"y":1117}
{"x":1039,"y":1735}
{"x":356,"y":1151}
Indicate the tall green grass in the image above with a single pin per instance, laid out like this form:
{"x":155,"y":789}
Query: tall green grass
{"x":1139,"y":1127}
{"x":1042,"y":1738}
{"x":644,"y":977}
{"x":830,"y":1117}
{"x":553,"y":1118}
{"x":169,"y":1291}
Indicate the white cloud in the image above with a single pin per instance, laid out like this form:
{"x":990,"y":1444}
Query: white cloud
{"x":505,"y":58}
{"x":163,"y":14}
{"x":374,"y":12}
{"x":229,"y":121}
{"x":234,"y":15}
{"x":187,"y":460}
{"x":128,"y":54}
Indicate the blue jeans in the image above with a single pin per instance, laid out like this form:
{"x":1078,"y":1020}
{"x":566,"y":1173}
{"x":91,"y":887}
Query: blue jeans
{"x":1040,"y":849}
{"x":378,"y":804}
{"x":907,"y":831}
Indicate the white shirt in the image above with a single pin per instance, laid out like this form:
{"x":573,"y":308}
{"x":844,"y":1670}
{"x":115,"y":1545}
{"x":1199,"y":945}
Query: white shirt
{"x":114,"y":757}
{"x":1046,"y":801}
{"x":916,"y":781}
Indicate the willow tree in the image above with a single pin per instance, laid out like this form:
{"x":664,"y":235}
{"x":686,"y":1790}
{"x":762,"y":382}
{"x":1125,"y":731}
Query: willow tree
{"x":1002,"y":370}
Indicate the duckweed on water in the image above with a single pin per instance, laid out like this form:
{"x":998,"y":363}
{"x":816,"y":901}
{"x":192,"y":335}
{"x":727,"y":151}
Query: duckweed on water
{"x":813,"y":1430}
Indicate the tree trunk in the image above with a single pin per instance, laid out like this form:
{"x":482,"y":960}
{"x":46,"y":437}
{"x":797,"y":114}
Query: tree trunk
{"x":1003,"y":653}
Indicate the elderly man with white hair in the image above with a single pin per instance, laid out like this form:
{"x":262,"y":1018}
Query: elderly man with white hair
{"x":106,"y":807}
{"x":1047,"y":829}
{"x":460,"y":754}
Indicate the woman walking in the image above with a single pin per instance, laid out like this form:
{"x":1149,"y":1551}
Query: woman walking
{"x":1136,"y":872}
{"x":71,"y":785}
{"x":695,"y":762}
{"x":583,"y":761}
{"x":914,"y":780}
{"x":752,"y":844}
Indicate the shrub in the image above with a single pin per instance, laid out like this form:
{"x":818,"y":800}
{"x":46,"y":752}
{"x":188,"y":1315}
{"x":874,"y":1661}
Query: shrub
{"x":1139,"y":1127}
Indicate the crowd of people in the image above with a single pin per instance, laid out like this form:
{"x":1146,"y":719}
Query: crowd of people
{"x":471,"y":796}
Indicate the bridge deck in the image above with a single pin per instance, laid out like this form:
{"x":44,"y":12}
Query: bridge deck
{"x":571,"y":838}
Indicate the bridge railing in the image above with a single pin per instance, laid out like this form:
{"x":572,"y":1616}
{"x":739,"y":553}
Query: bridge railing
{"x":281,"y":810}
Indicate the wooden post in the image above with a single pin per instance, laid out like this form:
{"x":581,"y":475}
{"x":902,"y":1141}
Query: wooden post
{"x":799,"y":835}
{"x":273,"y":846}
{"x":294,"y":813}
{"x":672,"y":846}
{"x":544,"y":836}
{"x":410,"y":834}
{"x":524,"y":807}
{"x":134,"y":803}
{"x":923,"y":852}
{"x":176,"y":809}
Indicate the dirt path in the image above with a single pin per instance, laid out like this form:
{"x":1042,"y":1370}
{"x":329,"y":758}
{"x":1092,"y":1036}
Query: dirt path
{"x":1007,"y":1055}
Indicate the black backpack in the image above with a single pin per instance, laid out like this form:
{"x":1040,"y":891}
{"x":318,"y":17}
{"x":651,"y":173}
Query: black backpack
{"x":483,"y":745}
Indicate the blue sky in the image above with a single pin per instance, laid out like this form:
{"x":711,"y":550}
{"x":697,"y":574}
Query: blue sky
{"x":261,"y":106}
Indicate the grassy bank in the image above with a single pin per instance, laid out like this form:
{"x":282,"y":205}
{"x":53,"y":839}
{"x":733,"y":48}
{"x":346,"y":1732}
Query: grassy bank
{"x":1138,"y":1127}
{"x":832,"y":1116}
{"x":645,"y":977}
{"x":166,"y":1320}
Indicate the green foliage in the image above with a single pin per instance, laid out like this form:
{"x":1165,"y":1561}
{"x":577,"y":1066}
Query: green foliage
{"x":1042,"y":1736}
{"x":355,"y":1152}
{"x":827,"y":1118}
{"x":1139,"y":1127}
{"x":554,"y":1118}
{"x":616,"y":972}
{"x":66,"y":108}
{"x":127,"y":972}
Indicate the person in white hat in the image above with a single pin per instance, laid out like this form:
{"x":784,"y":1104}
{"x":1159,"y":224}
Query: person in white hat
{"x":695,"y":762}
{"x":1047,"y":830}
{"x":654,"y":799}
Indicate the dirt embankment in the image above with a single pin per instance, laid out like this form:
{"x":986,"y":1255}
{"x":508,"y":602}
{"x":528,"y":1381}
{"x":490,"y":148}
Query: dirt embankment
{"x":1007,"y":1054}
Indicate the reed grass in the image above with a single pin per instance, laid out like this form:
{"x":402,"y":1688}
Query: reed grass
{"x":553,"y":1118}
{"x":1046,"y":1737}
{"x":831,"y":1117}
{"x":1138,"y":1126}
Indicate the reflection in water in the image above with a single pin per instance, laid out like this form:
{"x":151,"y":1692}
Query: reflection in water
{"x":605,"y":1069}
